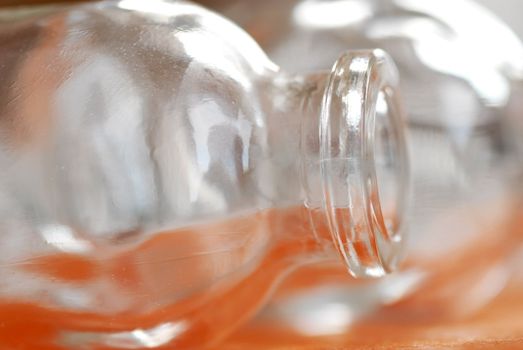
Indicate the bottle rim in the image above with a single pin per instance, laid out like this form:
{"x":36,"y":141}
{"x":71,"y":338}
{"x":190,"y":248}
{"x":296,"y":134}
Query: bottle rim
{"x":360,"y":103}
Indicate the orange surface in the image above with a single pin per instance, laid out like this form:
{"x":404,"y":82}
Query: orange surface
{"x":29,"y":326}
{"x":143,"y":270}
{"x":497,"y":326}
{"x":213,"y":313}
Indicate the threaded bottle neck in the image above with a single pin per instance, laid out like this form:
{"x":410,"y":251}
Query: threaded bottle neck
{"x":337,"y":146}
{"x":363,"y":162}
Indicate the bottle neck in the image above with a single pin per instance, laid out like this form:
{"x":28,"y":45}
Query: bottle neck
{"x":337,"y":147}
{"x":295,"y":103}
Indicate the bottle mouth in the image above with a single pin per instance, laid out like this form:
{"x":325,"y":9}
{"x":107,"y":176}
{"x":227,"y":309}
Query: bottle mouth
{"x":364,"y":163}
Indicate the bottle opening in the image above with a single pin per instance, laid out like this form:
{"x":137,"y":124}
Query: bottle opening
{"x":363,"y":162}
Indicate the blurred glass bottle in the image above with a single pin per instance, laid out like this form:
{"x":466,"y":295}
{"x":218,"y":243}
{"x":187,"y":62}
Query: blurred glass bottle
{"x":159,"y":174}
{"x":460,"y":74}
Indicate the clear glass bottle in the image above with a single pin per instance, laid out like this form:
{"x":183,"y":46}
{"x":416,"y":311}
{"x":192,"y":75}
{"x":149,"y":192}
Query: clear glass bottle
{"x":160,"y":174}
{"x":461,"y":72}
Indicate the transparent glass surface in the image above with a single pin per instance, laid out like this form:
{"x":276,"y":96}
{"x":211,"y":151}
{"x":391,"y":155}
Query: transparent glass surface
{"x":159,"y":174}
{"x":461,"y":71}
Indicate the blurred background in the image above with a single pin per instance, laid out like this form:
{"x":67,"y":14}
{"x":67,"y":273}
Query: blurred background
{"x":507,"y":10}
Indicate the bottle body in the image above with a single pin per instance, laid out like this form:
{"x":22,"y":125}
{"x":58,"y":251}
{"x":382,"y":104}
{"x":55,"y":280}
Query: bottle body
{"x":153,"y":168}
{"x":118,"y":142}
{"x":148,"y":297}
{"x":97,"y":148}
{"x":460,"y":97}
